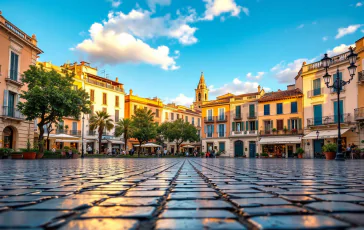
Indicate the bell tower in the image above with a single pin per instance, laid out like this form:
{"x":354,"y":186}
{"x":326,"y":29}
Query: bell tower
{"x":201,"y":93}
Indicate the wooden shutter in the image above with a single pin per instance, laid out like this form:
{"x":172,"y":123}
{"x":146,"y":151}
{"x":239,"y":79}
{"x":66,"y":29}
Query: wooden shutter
{"x":300,"y":124}
{"x":289,"y":124}
{"x":234,"y":126}
{"x":256,"y":125}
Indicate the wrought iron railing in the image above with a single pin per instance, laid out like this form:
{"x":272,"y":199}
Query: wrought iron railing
{"x":105,"y":85}
{"x":334,"y":60}
{"x":209,"y":119}
{"x":12,"y":112}
{"x":251,"y":115}
{"x":221,"y":118}
{"x":361,"y":76}
{"x":315,"y":92}
{"x":281,"y":132}
{"x":359,"y":114}
{"x":326,"y":120}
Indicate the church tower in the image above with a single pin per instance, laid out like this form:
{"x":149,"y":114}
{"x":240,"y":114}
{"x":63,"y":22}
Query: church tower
{"x":201,"y":93}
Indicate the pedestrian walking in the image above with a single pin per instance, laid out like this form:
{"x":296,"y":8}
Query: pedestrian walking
{"x":70,"y":154}
{"x":89,"y":149}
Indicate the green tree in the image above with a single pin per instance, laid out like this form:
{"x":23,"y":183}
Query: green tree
{"x":50,"y":97}
{"x":124,"y":126}
{"x":178,"y":131}
{"x":144,"y":127}
{"x":101,"y":121}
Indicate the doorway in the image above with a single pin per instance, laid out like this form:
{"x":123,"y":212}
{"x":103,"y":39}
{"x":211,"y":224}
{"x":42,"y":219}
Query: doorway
{"x":8,"y":137}
{"x":317,"y":146}
{"x":252,"y":149}
{"x":238,"y":149}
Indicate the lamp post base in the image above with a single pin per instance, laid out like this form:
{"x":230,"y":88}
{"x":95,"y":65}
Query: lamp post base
{"x":340,"y":157}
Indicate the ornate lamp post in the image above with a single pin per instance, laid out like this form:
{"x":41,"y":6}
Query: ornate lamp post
{"x":317,"y":134}
{"x":337,"y":86}
{"x":83,"y":125}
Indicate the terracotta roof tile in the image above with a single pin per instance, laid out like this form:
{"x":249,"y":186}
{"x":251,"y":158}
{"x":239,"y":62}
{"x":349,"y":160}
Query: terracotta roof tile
{"x":281,"y":95}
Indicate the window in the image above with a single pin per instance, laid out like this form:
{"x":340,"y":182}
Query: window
{"x":104,"y":98}
{"x":268,"y":125}
{"x":166,"y":115}
{"x":238,"y":126}
{"x":267,"y":109}
{"x":199,"y":96}
{"x":177,"y":116}
{"x":317,"y":114}
{"x":116,"y":115}
{"x":210,"y":130}
{"x":92,"y":95}
{"x":92,"y":109}
{"x":209,"y":115}
{"x":104,"y":109}
{"x":157,"y":113}
{"x":294,"y":107}
{"x":252,"y":125}
{"x":221,"y":114}
{"x":295,"y":124}
{"x":14,"y":63}
{"x":279,"y":108}
{"x":74,"y":128}
{"x":199,"y":133}
{"x":186,"y":118}
{"x":252,"y":110}
{"x":279,"y":124}
{"x":221,"y":146}
{"x":172,"y":116}
{"x":221,"y":130}
{"x":238,"y":111}
{"x":198,"y":122}
{"x":116,"y":101}
{"x":317,"y":87}
{"x":193,"y":121}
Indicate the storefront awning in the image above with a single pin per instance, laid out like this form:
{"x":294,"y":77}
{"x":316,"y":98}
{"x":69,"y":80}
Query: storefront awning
{"x":61,"y":136}
{"x":280,"y":140}
{"x":323,"y":134}
{"x":68,"y":141}
{"x":116,"y":142}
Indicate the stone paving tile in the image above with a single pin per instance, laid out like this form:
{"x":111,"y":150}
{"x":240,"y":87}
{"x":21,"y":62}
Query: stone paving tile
{"x":300,"y":199}
{"x":336,"y":207}
{"x":115,"y":224}
{"x":192,"y":195}
{"x":197,"y":214}
{"x":118,"y":211}
{"x":255,"y":202}
{"x":339,"y":197}
{"x":131,"y":201}
{"x":198,"y":204}
{"x":17,"y":192}
{"x":297,"y":222}
{"x":273,"y":210}
{"x":208,"y":223}
{"x":145,"y":193}
{"x":354,"y":218}
{"x":24,"y":199}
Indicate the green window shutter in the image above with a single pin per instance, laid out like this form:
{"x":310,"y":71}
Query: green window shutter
{"x":289,"y":124}
{"x":233,"y":126}
{"x":300,"y":124}
{"x":256,"y":125}
{"x":241,"y":126}
{"x":247,"y":125}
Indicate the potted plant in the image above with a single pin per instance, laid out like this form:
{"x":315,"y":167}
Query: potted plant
{"x":300,"y":152}
{"x":264,"y":155}
{"x":285,"y":129}
{"x":66,"y":129}
{"x":294,"y":131}
{"x":29,"y":153}
{"x":5,"y":153}
{"x":16,"y":155}
{"x":329,"y":151}
{"x":274,"y":130}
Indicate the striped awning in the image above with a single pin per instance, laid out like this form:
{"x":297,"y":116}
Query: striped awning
{"x":280,"y":140}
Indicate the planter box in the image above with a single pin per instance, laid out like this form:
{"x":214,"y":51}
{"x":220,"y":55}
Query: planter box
{"x":330,"y":155}
{"x":39,"y":155}
{"x":17,"y":156}
{"x":29,"y":155}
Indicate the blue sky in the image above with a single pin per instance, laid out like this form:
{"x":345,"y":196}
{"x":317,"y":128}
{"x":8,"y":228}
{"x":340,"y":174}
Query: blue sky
{"x":159,"y":47}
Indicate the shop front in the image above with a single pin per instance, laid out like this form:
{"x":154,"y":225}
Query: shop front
{"x":280,"y":147}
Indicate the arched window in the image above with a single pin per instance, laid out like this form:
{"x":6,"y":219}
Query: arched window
{"x":205,"y":97}
{"x":199,"y":96}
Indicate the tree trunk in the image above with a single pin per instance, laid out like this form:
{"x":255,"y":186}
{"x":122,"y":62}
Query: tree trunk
{"x":125,"y":142}
{"x":100,"y":139}
{"x":140,"y":147}
{"x":40,"y":140}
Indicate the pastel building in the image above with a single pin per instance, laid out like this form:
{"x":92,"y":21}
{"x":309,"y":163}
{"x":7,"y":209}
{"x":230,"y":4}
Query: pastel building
{"x":359,"y":111}
{"x":17,"y":52}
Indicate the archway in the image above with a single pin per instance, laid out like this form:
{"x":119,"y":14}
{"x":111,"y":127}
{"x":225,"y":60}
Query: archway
{"x":8,"y":137}
{"x":238,"y":148}
{"x":199,"y":96}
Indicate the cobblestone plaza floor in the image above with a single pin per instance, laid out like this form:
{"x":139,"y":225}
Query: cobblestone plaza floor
{"x":181,"y":194}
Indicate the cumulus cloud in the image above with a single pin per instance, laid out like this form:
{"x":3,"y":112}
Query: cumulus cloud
{"x":341,"y":32}
{"x":286,"y":72}
{"x":181,"y":99}
{"x":215,"y":8}
{"x":256,"y":77}
{"x":235,"y":87}
{"x":152,"y":3}
{"x":301,"y":26}
{"x":143,"y":24}
{"x":108,"y":46}
{"x":339,"y":49}
{"x":115,"y":3}
{"x":359,"y":4}
{"x":325,"y":38}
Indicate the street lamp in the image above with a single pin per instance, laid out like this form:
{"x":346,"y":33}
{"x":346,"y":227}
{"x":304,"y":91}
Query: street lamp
{"x":337,"y":86}
{"x":317,"y":134}
{"x":83,"y":124}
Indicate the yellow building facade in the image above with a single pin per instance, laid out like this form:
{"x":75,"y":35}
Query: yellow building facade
{"x":359,"y":111}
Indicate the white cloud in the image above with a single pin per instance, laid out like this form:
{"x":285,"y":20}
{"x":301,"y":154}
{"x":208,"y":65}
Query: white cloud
{"x":339,"y":49}
{"x":348,"y":30}
{"x":152,"y":3}
{"x":181,"y":99}
{"x":362,"y":31}
{"x":142,"y":24}
{"x":107,"y":46}
{"x":359,"y":4}
{"x":115,"y":3}
{"x":285,"y":73}
{"x":325,"y":38}
{"x":215,"y":8}
{"x":235,"y":87}
{"x":257,"y":77}
{"x":301,"y":26}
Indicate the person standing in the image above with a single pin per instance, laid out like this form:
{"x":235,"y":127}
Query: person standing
{"x":89,"y":149}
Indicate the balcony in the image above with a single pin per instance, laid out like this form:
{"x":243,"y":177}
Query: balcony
{"x":281,"y":132}
{"x":14,"y":78}
{"x":332,"y":90}
{"x":209,"y":119}
{"x":221,"y":134}
{"x":328,"y":120}
{"x":75,"y":132}
{"x":334,"y":60}
{"x":221,"y":118}
{"x":12,"y":112}
{"x":251,"y":115}
{"x":238,"y":117}
{"x":359,"y":114}
{"x":315,"y":92}
{"x":244,"y":133}
{"x":91,"y":133}
{"x":105,"y":85}
{"x":361,"y":76}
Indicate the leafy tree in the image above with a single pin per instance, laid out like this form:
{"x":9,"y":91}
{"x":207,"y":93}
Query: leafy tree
{"x":178,"y":131}
{"x":124,"y":126}
{"x":101,"y":121}
{"x":144,"y":127}
{"x":50,"y":97}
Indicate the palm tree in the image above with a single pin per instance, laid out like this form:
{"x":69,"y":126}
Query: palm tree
{"x":101,"y":121}
{"x":124,"y":126}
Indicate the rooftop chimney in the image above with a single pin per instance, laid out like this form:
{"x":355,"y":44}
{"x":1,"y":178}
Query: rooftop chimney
{"x":258,"y":88}
{"x":117,"y":79}
{"x":130,"y":92}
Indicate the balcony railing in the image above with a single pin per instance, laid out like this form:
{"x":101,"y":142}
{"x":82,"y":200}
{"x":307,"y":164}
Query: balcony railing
{"x":209,"y":119}
{"x":242,"y":133}
{"x":75,"y":132}
{"x":105,"y":85}
{"x":327,"y":120}
{"x":251,"y":115}
{"x":335,"y":59}
{"x":315,"y":92}
{"x":14,"y":76}
{"x":221,"y":118}
{"x":281,"y":132}
{"x":238,"y":116}
{"x":333,"y":90}
{"x":91,"y":133}
{"x":361,"y":76}
{"x":359,"y":114}
{"x":17,"y":31}
{"x":221,"y":134}
{"x":209,"y":135}
{"x":12,"y":112}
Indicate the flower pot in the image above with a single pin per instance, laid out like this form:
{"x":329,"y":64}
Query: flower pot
{"x":330,"y":155}
{"x":75,"y":156}
{"x":40,"y":155}
{"x":29,"y":155}
{"x":300,"y":155}
{"x":17,"y":156}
